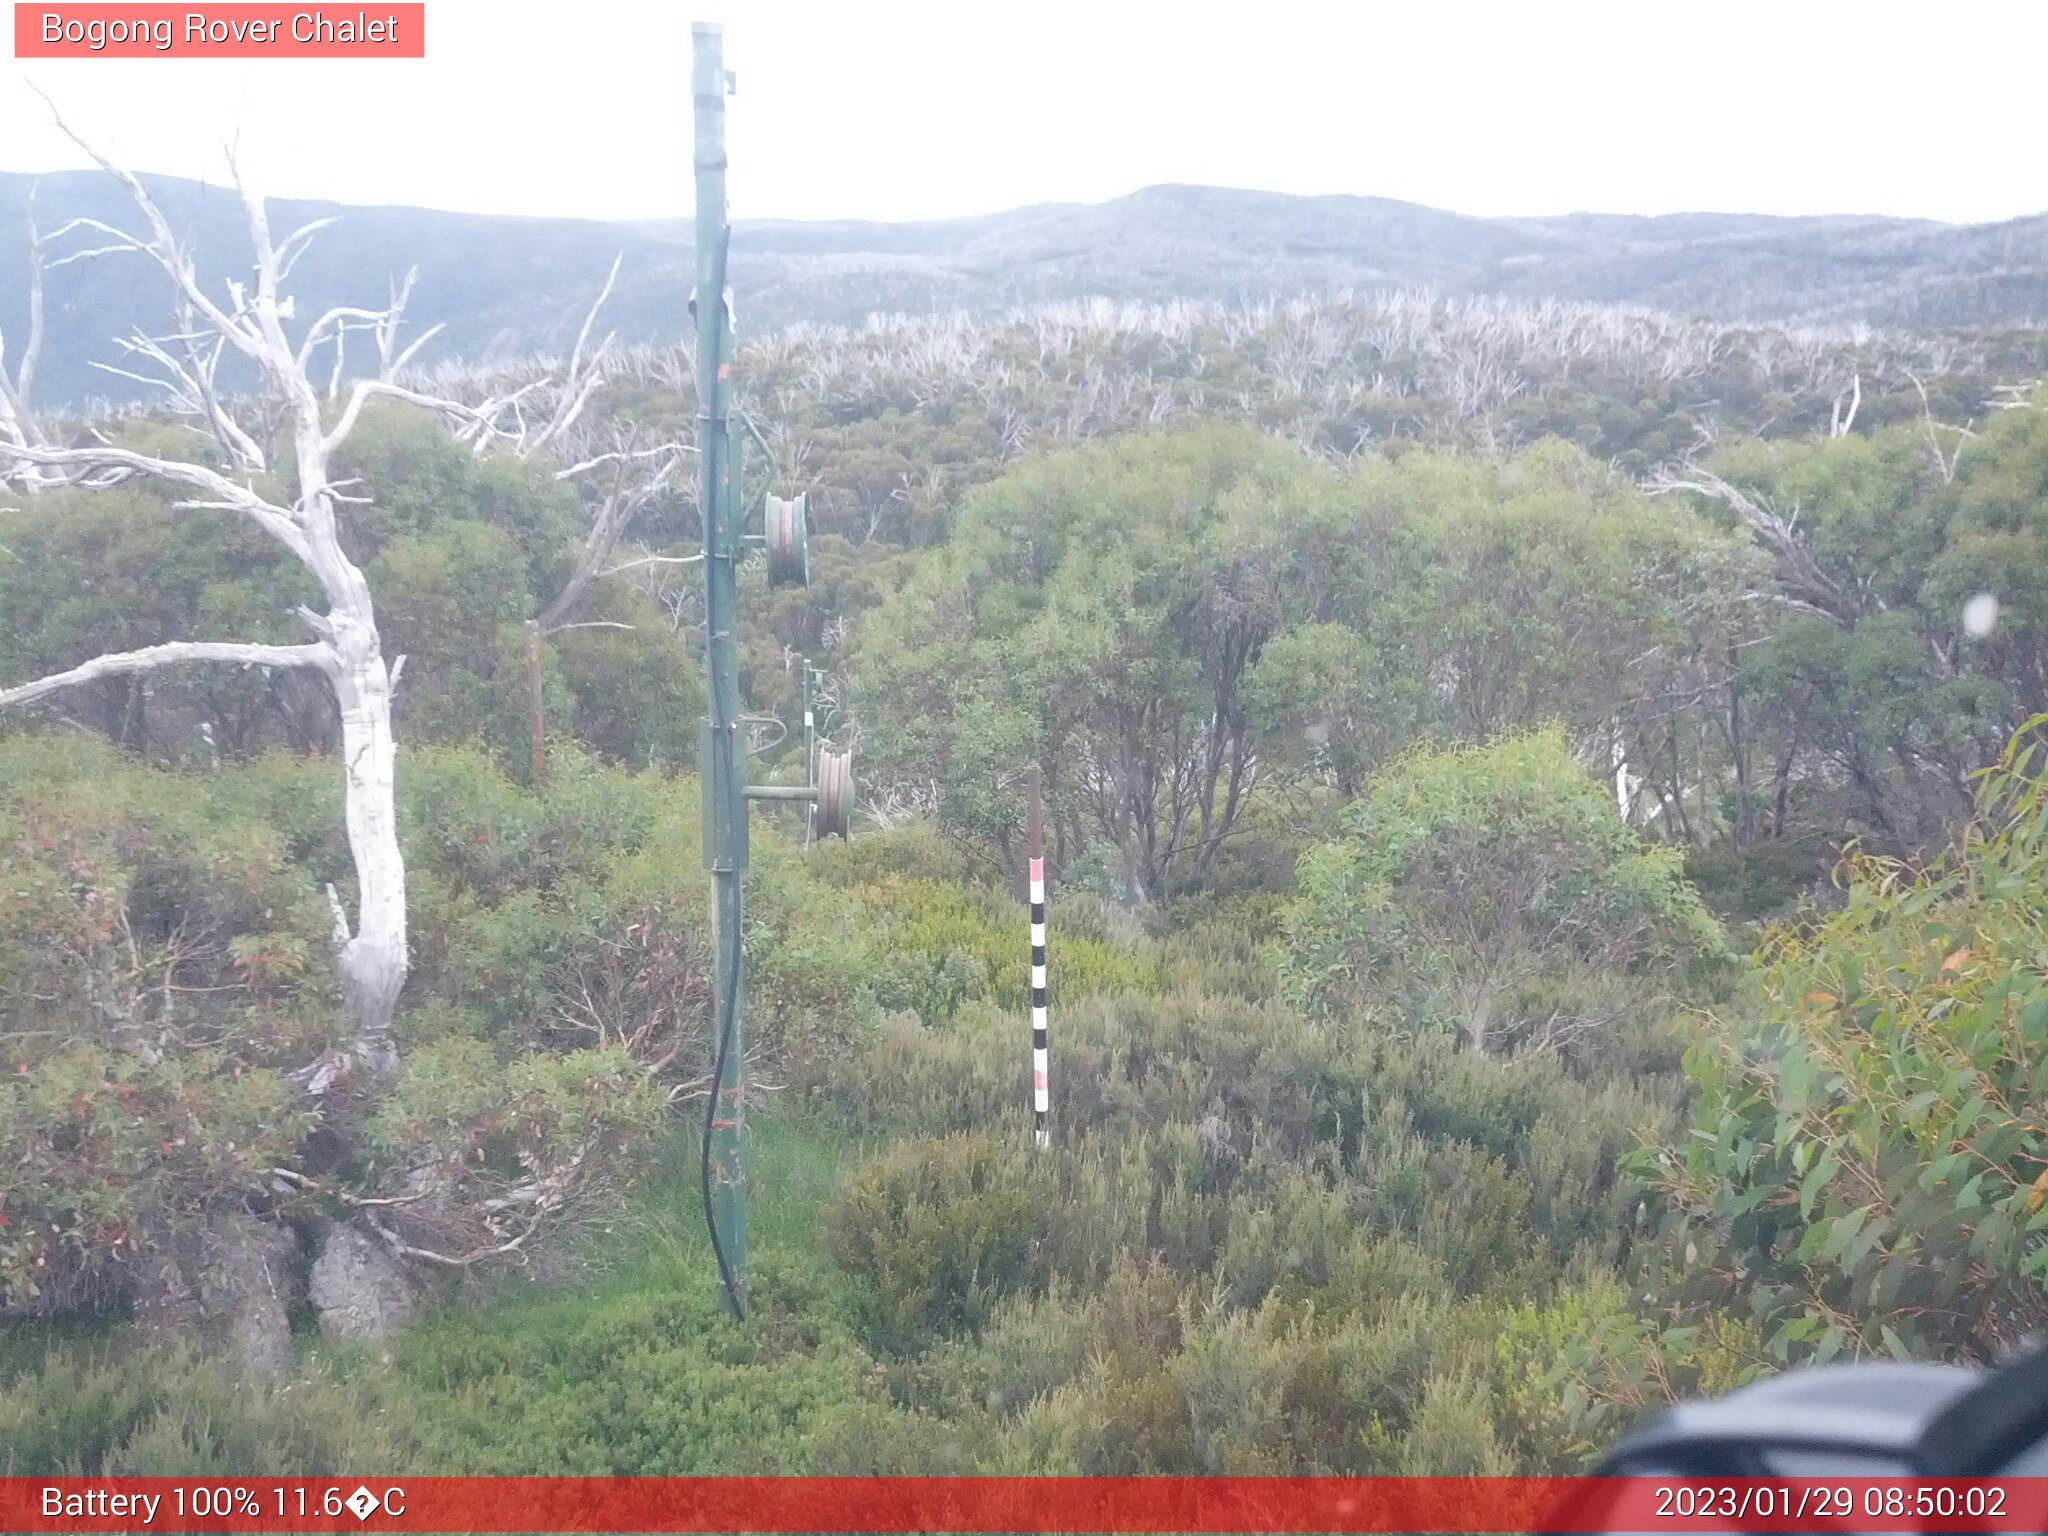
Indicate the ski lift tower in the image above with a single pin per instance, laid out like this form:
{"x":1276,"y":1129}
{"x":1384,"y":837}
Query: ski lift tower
{"x":722,"y":755}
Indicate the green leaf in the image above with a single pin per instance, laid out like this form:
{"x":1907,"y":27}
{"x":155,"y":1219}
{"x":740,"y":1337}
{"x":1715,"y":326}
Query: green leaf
{"x":1841,"y":1233}
{"x":1860,"y":1249}
{"x":1817,"y":1180}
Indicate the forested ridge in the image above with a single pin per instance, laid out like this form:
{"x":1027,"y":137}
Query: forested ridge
{"x":507,"y":286}
{"x":1544,"y":807}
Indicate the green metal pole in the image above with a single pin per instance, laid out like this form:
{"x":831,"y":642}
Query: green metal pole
{"x":723,"y":764}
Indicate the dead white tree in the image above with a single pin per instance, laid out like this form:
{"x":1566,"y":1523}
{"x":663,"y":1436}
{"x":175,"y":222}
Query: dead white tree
{"x":18,"y":425}
{"x":346,"y":649}
{"x":639,"y":477}
{"x":1945,"y":460}
{"x":1803,"y":583}
{"x":1842,"y":421}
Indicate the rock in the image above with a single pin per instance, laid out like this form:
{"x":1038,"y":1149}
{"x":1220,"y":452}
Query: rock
{"x":358,"y":1288}
{"x":248,"y":1281}
{"x":226,"y":1284}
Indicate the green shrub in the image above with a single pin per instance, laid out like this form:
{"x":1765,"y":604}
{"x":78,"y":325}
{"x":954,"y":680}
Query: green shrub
{"x":162,"y":965}
{"x":1452,"y":1433}
{"x":108,"y":1409}
{"x":655,"y":1382}
{"x":907,"y":1079}
{"x":1491,"y":891}
{"x":915,"y":852}
{"x":949,"y":945}
{"x":1035,"y":1344}
{"x":300,"y":798}
{"x":639,"y":693}
{"x":1863,"y":1156}
{"x":1271,"y":1390}
{"x":1575,"y":1372}
{"x":937,"y":1231}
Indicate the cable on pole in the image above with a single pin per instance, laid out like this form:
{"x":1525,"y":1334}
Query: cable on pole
{"x":726,"y":1278}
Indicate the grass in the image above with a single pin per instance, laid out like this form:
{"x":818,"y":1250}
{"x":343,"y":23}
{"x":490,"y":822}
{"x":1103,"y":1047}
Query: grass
{"x":794,"y":1168}
{"x":628,"y":1364}
{"x":658,"y":1243}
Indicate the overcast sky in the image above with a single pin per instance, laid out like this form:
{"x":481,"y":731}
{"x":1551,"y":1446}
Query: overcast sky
{"x":893,"y":110}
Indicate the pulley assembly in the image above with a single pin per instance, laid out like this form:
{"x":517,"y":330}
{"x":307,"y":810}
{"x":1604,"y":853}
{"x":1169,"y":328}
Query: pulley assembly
{"x":785,"y":526}
{"x":835,"y":792}
{"x":828,"y":796}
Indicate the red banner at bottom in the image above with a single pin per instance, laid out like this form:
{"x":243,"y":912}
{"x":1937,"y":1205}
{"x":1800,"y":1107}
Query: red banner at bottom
{"x":1021,"y":1504}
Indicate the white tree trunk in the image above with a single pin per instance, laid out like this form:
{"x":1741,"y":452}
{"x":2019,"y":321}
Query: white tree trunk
{"x":1624,"y":789}
{"x":374,"y":959}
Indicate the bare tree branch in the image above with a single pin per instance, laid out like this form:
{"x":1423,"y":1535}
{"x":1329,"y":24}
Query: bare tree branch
{"x":18,"y":425}
{"x":468,"y":422}
{"x":625,"y":501}
{"x":1944,"y":462}
{"x":101,"y":467}
{"x":647,"y":560}
{"x":582,"y":380}
{"x":152,"y":657}
{"x":1799,"y":573}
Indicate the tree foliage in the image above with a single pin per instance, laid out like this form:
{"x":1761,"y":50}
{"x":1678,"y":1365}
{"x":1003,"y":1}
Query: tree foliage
{"x":1493,"y":890}
{"x":1096,"y":612}
{"x":1866,"y":1168}
{"x":1166,"y":622}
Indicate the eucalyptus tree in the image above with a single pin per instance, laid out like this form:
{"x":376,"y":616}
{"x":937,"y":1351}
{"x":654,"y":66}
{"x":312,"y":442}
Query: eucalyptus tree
{"x":268,"y":458}
{"x":1491,"y":891}
{"x":1874,"y":699}
{"x":1098,"y":611}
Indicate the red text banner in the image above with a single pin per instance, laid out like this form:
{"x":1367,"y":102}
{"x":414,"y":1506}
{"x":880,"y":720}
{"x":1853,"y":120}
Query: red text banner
{"x":1017,"y":1504}
{"x":220,"y":31}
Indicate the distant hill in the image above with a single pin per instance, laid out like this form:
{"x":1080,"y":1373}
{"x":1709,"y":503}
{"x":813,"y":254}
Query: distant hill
{"x":509,"y":286}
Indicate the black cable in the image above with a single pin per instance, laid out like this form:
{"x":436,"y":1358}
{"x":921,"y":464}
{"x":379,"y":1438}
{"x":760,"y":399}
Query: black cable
{"x":732,"y":998}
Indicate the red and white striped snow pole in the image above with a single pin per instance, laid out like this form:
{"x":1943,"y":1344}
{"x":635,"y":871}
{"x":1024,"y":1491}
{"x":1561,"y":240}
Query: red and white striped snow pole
{"x":1041,"y":1093}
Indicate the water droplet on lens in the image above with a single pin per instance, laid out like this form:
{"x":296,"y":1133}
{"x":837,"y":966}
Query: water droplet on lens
{"x":1980,"y":615}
